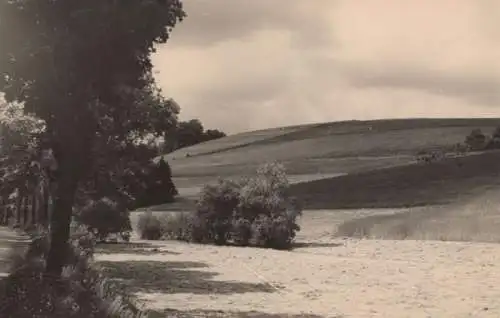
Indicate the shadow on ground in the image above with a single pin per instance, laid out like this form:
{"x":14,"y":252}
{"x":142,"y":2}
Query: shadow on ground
{"x":405,"y":186}
{"x":222,"y":314}
{"x":315,"y":244}
{"x":175,"y":277}
{"x":131,"y":248}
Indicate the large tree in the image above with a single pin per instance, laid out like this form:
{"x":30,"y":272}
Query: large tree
{"x":84,"y":68}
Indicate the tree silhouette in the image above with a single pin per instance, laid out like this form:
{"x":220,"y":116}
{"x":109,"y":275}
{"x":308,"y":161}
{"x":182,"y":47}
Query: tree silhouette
{"x":84,"y":68}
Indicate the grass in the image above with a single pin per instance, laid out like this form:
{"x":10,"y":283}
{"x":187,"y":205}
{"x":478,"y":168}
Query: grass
{"x":412,"y":185}
{"x":477,"y":220}
{"x":342,"y":147}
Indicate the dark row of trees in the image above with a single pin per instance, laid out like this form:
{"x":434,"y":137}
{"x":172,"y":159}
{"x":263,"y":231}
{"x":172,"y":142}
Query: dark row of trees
{"x":188,"y":133}
{"x":83,"y":69}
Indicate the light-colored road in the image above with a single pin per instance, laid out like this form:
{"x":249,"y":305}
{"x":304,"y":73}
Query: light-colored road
{"x":8,"y":239}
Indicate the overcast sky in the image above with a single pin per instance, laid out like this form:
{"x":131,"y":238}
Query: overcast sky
{"x":247,"y":64}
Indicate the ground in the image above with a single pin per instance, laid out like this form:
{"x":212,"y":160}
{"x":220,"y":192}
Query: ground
{"x":382,"y":236}
{"x":324,"y":276}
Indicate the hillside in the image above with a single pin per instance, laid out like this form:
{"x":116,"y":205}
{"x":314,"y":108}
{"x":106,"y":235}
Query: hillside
{"x":322,"y":150}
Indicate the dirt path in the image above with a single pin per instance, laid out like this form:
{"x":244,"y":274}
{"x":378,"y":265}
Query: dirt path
{"x":8,"y":239}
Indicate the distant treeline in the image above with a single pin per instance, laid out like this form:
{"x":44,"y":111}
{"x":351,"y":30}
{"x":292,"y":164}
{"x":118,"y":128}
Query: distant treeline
{"x":188,"y":133}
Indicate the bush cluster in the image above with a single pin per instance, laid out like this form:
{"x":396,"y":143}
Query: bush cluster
{"x":253,"y":211}
{"x":103,"y":217}
{"x":478,"y":141}
{"x":80,"y":292}
{"x":175,"y":226}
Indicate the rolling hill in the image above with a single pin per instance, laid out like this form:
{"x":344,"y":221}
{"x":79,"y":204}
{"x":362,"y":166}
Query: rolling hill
{"x":347,"y":157}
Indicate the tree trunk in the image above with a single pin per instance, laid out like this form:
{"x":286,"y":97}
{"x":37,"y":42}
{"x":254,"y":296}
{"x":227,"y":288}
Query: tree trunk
{"x":61,"y":220}
{"x":18,"y":207}
{"x":3,"y":212}
{"x":71,"y":143}
{"x":34,"y":218}
{"x":44,"y":206}
{"x":25,"y":208}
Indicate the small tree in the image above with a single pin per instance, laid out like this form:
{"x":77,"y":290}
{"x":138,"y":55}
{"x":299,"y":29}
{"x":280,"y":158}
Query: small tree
{"x":158,"y":187}
{"x":476,"y":140}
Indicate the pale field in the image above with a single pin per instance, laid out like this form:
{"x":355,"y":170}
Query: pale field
{"x":324,"y":275}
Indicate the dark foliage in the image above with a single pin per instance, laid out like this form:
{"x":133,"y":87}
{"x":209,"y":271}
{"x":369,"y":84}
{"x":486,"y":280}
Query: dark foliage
{"x":84,"y":69}
{"x":81,"y":291}
{"x":158,"y":187}
{"x":189,"y":133}
{"x":476,"y":140}
{"x":104,"y":217}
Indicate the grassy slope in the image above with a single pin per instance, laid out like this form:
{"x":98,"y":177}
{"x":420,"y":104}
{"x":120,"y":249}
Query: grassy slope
{"x":379,"y":159}
{"x":439,"y":183}
{"x":341,"y":147}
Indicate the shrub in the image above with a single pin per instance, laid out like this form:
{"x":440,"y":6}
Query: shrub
{"x":476,"y":140}
{"x":215,"y":210}
{"x":254,"y":211}
{"x":80,"y":292}
{"x":149,"y":226}
{"x":157,"y":186}
{"x":104,"y":217}
{"x":176,"y":226}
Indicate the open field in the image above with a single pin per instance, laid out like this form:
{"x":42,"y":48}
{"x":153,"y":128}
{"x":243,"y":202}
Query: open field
{"x":373,"y":229}
{"x":323,"y":276}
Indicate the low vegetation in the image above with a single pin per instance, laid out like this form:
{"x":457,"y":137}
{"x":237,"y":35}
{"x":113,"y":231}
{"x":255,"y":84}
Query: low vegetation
{"x":81,"y":291}
{"x":477,"y":140}
{"x":255,"y":211}
{"x":104,"y":217}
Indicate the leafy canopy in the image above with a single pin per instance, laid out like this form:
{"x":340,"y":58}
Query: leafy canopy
{"x":84,"y":69}
{"x":85,"y":64}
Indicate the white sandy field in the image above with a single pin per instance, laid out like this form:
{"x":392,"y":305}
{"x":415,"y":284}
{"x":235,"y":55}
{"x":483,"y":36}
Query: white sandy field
{"x":339,"y":277}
